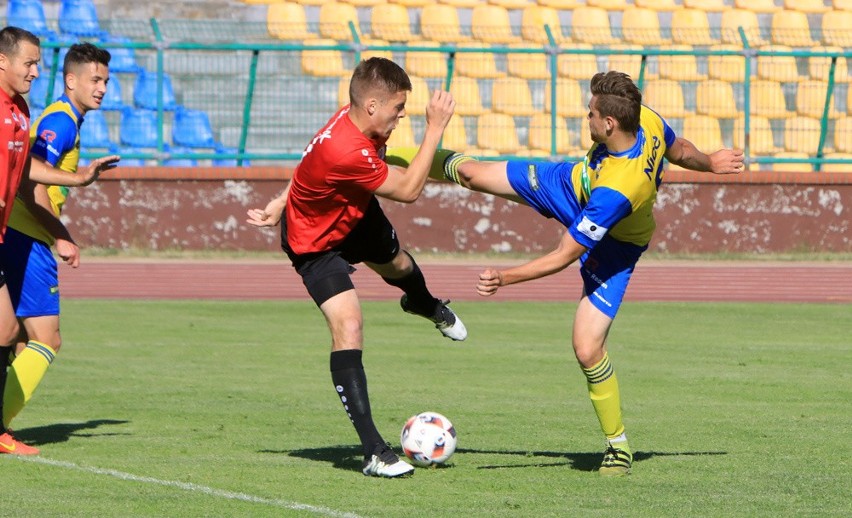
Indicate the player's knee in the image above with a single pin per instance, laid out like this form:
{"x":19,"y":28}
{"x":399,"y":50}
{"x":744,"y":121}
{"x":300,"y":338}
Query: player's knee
{"x":9,"y":333}
{"x":588,"y":354}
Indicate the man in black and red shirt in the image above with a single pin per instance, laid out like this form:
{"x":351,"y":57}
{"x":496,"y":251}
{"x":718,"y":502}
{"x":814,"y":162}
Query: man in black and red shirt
{"x":333,"y":220}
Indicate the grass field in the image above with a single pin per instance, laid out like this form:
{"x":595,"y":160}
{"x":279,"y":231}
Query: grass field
{"x":227,"y":409}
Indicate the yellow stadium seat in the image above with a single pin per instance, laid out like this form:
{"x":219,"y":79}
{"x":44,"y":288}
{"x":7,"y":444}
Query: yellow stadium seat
{"x":703,"y":131}
{"x":511,"y":95}
{"x":403,"y":135}
{"x":758,"y":6}
{"x":716,"y":98}
{"x":642,"y":27}
{"x":540,"y":137}
{"x":819,"y":67}
{"x":801,"y":135}
{"x":440,"y":22}
{"x":391,"y":22}
{"x":418,"y":97}
{"x":527,"y":66}
{"x":533,"y":20}
{"x":460,"y":3}
{"x":571,"y":100}
{"x":849,"y":101}
{"x":323,"y":62}
{"x":455,"y":135}
{"x":843,"y":135}
{"x":343,"y":91}
{"x":334,"y":18}
{"x":791,"y":167}
{"x":609,"y":5}
{"x":733,"y":19}
{"x":711,"y":6}
{"x":369,"y":42}
{"x":465,"y":91}
{"x":577,"y":66}
{"x":791,"y":28}
{"x":810,"y":99}
{"x":363,"y":3}
{"x":778,"y":68}
{"x":657,"y":5}
{"x":842,"y":5}
{"x":560,"y":4}
{"x":426,"y":63}
{"x":411,"y":3}
{"x":630,"y":64}
{"x":482,"y":65}
{"x":682,"y":67}
{"x":512,"y":4}
{"x":666,"y":97}
{"x":691,"y":27}
{"x":837,"y":29}
{"x":837,"y":167}
{"x":490,"y":24}
{"x":761,"y":137}
{"x":261,"y":2}
{"x":726,"y":68}
{"x":497,"y":131}
{"x":806,"y":6}
{"x":591,"y":25}
{"x":287,"y":21}
{"x":767,"y":100}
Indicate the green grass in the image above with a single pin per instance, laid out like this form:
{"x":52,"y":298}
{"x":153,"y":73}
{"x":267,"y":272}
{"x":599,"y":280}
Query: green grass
{"x":227,"y":409}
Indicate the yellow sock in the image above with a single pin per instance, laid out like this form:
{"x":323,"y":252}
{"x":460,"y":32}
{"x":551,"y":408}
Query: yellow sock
{"x":603,"y":390}
{"x":402,"y":156}
{"x":24,"y":376}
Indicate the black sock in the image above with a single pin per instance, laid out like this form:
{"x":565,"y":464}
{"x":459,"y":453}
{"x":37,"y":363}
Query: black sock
{"x":414,"y":285}
{"x":4,"y":366}
{"x":350,"y":382}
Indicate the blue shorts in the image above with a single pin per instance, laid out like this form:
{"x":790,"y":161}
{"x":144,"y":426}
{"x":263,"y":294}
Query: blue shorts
{"x":606,"y":268}
{"x":31,"y":274}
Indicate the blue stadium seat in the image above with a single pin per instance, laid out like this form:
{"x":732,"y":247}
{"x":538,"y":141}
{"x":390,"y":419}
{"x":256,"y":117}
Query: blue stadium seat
{"x":192,"y":129}
{"x":47,"y":53}
{"x":179,"y":162}
{"x":122,"y":59}
{"x":145,"y":91}
{"x":29,"y":15}
{"x":227,"y":162}
{"x":38,"y":90}
{"x":138,"y":127}
{"x":94,"y":133}
{"x":130,"y":162}
{"x":112,"y":98}
{"x":79,"y":17}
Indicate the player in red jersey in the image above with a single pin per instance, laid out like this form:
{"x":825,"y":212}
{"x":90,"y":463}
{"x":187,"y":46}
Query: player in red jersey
{"x":333,"y":220}
{"x":19,"y":57}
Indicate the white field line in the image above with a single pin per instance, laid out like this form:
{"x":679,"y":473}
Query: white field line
{"x":196,"y":488}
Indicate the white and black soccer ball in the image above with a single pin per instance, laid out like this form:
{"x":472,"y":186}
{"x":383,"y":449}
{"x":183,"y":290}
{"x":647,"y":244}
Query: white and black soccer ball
{"x":428,"y":438}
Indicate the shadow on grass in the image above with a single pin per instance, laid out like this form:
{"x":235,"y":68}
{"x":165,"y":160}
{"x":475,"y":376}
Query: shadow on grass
{"x":351,"y":457}
{"x":61,"y":432}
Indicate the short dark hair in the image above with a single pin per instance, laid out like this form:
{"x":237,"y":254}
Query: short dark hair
{"x":619,"y":98}
{"x":377,"y":73}
{"x":11,"y":37}
{"x":82,"y":53}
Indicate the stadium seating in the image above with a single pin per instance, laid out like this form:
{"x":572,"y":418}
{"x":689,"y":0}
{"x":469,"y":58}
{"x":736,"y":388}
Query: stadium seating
{"x":710,"y":6}
{"x":467,"y":95}
{"x":806,"y":6}
{"x":540,"y":135}
{"x":630,"y":64}
{"x":334,"y":19}
{"x":801,"y":135}
{"x":512,"y":4}
{"x":418,"y":98}
{"x":145,"y":92}
{"x":477,"y":64}
{"x":666,"y":96}
{"x":528,"y":66}
{"x":767,"y":100}
{"x":838,"y":167}
{"x":733,"y":19}
{"x":571,"y":99}
{"x":323,"y":63}
{"x":819,"y":67}
{"x":192,"y":129}
{"x":658,"y":5}
{"x":791,"y":28}
{"x":641,"y":26}
{"x":842,"y":5}
{"x":403,"y":135}
{"x":79,"y":17}
{"x":287,"y":21}
{"x":837,"y":29}
{"x":691,"y":27}
{"x":113,"y":99}
{"x":391,"y":22}
{"x":729,"y":68}
{"x":758,"y":6}
{"x":810,"y":99}
{"x":778,"y":68}
{"x":591,"y":25}
{"x":511,"y":95}
{"x":455,"y":136}
{"x":490,"y":24}
{"x":560,"y":4}
{"x":29,"y":15}
{"x":533,"y":20}
{"x":761,"y":136}
{"x":412,"y":3}
{"x":790,"y":167}
{"x":440,"y":22}
{"x":843,"y":135}
{"x":682,"y":67}
{"x":577,"y":66}
{"x":39,"y":89}
{"x":426,"y":64}
{"x":703,"y":131}
{"x":122,"y":60}
{"x":497,"y":131}
{"x":178,"y":162}
{"x":138,"y":128}
{"x":716,"y":99}
{"x":48,"y":54}
{"x":94,"y":132}
{"x":228,"y":162}
{"x":609,"y":5}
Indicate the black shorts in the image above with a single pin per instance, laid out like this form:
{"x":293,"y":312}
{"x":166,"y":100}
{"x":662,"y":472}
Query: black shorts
{"x":326,"y":274}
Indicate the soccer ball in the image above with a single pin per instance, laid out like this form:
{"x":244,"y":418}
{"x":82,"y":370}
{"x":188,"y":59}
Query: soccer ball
{"x":428,"y":439}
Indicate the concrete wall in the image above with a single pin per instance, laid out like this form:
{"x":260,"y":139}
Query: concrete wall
{"x":202,"y":209}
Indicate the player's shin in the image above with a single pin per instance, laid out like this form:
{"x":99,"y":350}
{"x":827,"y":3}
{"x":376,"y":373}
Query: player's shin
{"x":350,"y":382}
{"x":603,"y":391}
{"x":24,"y":376}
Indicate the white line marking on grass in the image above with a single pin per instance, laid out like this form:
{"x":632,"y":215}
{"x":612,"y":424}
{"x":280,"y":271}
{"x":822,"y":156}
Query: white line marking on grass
{"x":186,"y":486}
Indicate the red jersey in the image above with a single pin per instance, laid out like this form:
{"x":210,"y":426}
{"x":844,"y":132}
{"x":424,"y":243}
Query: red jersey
{"x":332,"y":185}
{"x":14,"y":148}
